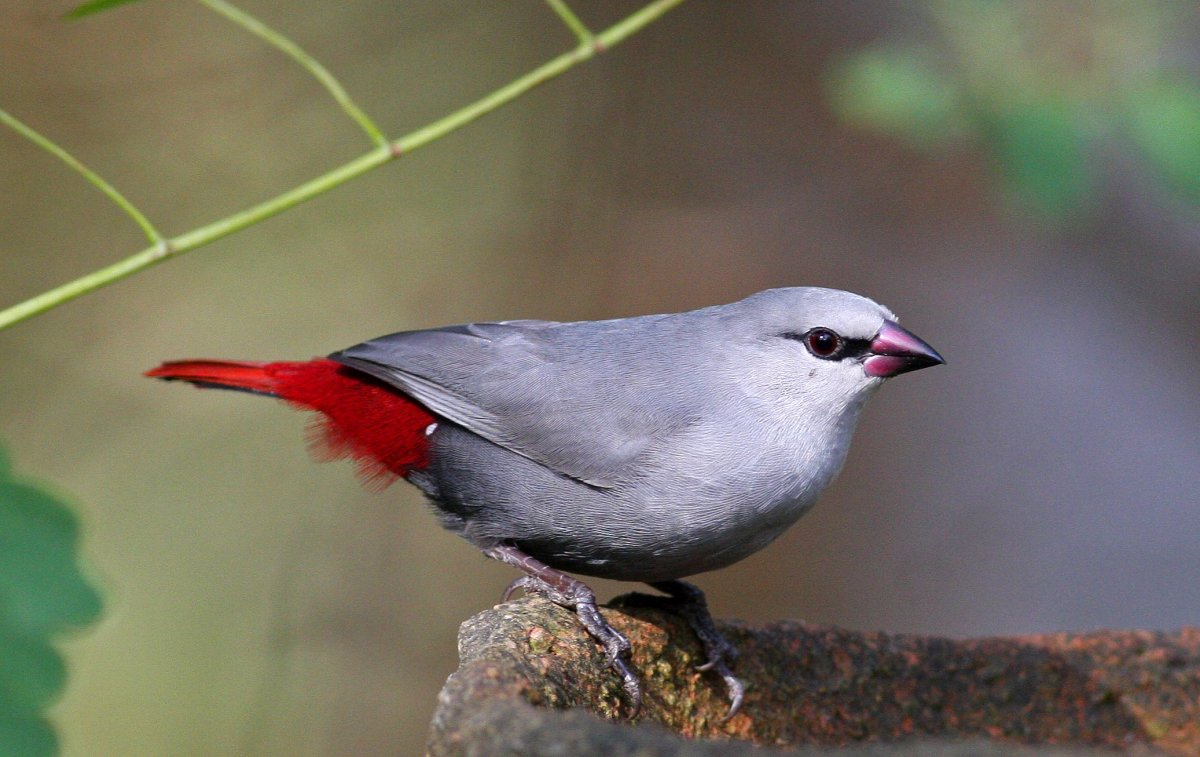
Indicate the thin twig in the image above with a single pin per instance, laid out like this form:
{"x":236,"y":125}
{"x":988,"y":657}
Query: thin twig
{"x":94,"y":178}
{"x":165,"y":249}
{"x":296,"y":53}
{"x":577,"y":27}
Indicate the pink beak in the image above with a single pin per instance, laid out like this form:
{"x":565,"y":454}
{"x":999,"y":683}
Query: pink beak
{"x":895,"y":350}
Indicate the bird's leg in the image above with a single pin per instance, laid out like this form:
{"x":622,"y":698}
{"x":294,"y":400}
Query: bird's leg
{"x":573,"y":594}
{"x":691,"y":604}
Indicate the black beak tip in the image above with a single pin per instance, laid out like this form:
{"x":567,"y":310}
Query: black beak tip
{"x":896,"y":350}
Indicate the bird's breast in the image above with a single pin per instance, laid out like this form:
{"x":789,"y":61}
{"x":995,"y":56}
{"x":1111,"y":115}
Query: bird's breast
{"x":716,"y":505}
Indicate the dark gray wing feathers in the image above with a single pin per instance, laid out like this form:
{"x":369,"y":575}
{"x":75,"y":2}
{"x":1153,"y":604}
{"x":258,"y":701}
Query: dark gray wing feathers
{"x":567,"y":396}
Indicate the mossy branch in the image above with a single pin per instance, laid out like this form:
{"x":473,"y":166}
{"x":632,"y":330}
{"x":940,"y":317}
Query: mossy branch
{"x":165,"y":248}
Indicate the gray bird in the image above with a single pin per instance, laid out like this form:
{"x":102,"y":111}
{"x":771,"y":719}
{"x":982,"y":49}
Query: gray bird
{"x":641,"y":449}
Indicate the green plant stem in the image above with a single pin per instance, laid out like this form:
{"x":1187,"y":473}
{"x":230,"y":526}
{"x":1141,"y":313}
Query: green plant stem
{"x":94,"y":178}
{"x":577,"y":27}
{"x":169,"y":248}
{"x":296,"y":53}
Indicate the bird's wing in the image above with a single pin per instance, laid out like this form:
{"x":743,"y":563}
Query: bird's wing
{"x":563,"y":395}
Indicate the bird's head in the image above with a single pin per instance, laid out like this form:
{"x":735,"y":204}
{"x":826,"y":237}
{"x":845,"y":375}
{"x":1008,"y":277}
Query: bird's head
{"x":825,"y":346}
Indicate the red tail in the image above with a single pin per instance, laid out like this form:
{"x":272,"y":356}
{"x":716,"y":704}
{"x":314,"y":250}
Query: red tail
{"x":223,"y":374}
{"x":383,"y":430}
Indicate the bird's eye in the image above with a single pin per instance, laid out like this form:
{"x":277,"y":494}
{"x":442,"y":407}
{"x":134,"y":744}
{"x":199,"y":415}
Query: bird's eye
{"x":823,"y":343}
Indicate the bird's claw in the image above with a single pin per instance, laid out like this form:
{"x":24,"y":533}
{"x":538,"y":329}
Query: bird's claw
{"x":528,"y":583}
{"x":616,"y":648}
{"x":629,"y":680}
{"x":734,"y":688}
{"x":717,"y":655}
{"x":568,"y":592}
{"x":717,"y":649}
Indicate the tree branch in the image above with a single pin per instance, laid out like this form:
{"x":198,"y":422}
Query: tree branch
{"x":294,"y":51}
{"x":164,"y":249}
{"x":577,"y":27}
{"x":93,"y":178}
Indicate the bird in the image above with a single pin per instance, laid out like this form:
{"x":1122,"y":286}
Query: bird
{"x":647,"y":449}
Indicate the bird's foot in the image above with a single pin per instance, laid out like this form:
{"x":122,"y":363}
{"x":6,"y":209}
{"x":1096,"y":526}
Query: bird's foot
{"x":689,"y":601}
{"x":565,"y":591}
{"x":528,"y":584}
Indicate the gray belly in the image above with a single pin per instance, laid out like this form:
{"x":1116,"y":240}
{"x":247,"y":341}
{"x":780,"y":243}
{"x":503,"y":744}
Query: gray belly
{"x":643,"y":531}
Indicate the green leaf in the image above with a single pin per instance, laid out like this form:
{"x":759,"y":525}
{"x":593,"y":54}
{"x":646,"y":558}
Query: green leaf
{"x":29,"y":736}
{"x":95,"y":6}
{"x":1164,"y":122}
{"x":32,"y":673}
{"x":43,"y":592}
{"x":899,"y":92}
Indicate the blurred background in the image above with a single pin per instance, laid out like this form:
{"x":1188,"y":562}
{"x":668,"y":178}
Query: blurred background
{"x":1018,"y":180}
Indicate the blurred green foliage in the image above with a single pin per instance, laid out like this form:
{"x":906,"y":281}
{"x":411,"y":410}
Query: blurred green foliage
{"x":1042,"y":87}
{"x":95,"y":6}
{"x":1164,"y":120}
{"x":43,"y":593}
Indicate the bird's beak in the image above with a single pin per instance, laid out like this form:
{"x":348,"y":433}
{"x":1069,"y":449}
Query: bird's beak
{"x":895,"y":350}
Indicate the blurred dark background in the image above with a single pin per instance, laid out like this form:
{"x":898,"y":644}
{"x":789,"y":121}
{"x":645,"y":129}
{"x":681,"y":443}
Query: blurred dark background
{"x":1018,"y":180}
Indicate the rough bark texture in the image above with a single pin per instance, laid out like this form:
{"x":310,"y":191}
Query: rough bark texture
{"x":531,"y":683}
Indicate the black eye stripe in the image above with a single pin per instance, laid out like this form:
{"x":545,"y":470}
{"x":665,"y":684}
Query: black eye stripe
{"x":845,"y":348}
